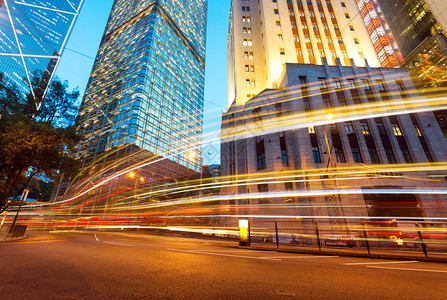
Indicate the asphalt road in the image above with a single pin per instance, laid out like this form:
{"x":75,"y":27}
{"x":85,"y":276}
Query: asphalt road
{"x":130,"y":266}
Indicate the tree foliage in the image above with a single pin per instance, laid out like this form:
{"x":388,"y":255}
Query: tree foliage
{"x":36,"y":136}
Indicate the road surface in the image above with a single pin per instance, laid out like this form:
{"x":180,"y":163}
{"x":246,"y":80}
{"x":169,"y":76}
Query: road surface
{"x":97,"y":265}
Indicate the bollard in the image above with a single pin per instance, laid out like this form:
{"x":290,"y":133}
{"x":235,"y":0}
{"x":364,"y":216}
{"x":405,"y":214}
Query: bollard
{"x":421,"y":239}
{"x":318,"y":236}
{"x":249,"y":234}
{"x":243,"y":229}
{"x":277,"y":237}
{"x":366,"y":242}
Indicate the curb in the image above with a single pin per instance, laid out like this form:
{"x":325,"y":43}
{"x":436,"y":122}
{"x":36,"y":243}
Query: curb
{"x":382,"y":256}
{"x":14,"y":239}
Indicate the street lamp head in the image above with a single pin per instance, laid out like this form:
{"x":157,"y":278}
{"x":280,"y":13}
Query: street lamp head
{"x":191,"y":155}
{"x":131,"y":174}
{"x":329,"y":116}
{"x":142,"y":179}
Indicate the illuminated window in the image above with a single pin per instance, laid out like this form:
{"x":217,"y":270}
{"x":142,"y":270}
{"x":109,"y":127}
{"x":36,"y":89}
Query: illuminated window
{"x":365,"y":127}
{"x":396,"y":130}
{"x":282,"y":51}
{"x":280,"y":37}
{"x":418,"y":130}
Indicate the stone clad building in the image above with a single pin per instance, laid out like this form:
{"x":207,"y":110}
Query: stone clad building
{"x":318,"y":144}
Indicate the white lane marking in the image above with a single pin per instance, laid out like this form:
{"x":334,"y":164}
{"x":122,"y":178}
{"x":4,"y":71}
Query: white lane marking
{"x":236,"y":250}
{"x":408,"y":269}
{"x":382,"y":263}
{"x":120,"y":244}
{"x":309,"y":256}
{"x":96,"y":237}
{"x":222,"y":254}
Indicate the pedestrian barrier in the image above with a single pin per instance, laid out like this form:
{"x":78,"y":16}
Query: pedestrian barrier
{"x":372,"y":237}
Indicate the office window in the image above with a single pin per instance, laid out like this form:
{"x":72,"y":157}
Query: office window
{"x":316,"y":155}
{"x":343,"y":4}
{"x":263,"y":188}
{"x":390,"y":156}
{"x":282,"y":51}
{"x":396,"y":129}
{"x":349,"y":127}
{"x":260,"y":153}
{"x":347,"y":16}
{"x":247,"y":68}
{"x":357,"y":155}
{"x":373,"y":155}
{"x":275,"y":11}
{"x":406,"y":155}
{"x":339,"y":155}
{"x":356,"y":41}
{"x":365,"y":127}
{"x":417,"y":129}
{"x":278,"y":23}
{"x":351,"y":27}
{"x":280,"y":37}
{"x":282,"y":142}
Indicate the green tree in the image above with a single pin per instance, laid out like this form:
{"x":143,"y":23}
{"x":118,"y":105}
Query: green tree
{"x":34,"y":140}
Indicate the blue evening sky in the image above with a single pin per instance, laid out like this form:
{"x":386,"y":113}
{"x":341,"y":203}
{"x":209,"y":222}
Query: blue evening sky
{"x":77,"y":61}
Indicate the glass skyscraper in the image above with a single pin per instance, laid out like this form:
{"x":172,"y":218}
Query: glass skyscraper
{"x":33,"y":34}
{"x":145,"y":92}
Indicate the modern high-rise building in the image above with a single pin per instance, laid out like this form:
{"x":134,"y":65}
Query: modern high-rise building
{"x":419,"y":31}
{"x":33,"y":35}
{"x":146,"y":90}
{"x":264,"y":35}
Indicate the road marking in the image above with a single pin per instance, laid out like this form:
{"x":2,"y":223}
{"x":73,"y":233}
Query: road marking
{"x":236,"y":250}
{"x":408,"y":269}
{"x":222,"y":254}
{"x":307,"y":256}
{"x":33,"y":242}
{"x":381,"y":263}
{"x":96,"y":237}
{"x":120,"y":244}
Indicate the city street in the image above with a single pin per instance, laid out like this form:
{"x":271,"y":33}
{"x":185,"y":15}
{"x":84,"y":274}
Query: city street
{"x":131,"y":265}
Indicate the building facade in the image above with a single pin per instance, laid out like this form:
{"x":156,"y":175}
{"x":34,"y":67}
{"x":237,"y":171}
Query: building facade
{"x":145,"y":92}
{"x":284,"y":155}
{"x":33,"y":37}
{"x":264,"y":35}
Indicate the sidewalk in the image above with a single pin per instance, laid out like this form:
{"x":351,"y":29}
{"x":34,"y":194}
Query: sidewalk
{"x":3,"y":234}
{"x":354,"y":252}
